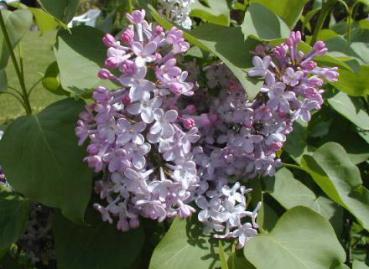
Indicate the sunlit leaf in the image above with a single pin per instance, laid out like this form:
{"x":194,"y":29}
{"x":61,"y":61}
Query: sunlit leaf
{"x":301,"y":239}
{"x":262,"y":23}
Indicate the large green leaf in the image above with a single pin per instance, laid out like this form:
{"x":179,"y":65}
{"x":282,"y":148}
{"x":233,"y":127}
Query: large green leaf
{"x":228,"y":44}
{"x":216,"y":11}
{"x":301,"y":239}
{"x":78,"y":60}
{"x":99,"y":246}
{"x":289,"y":10}
{"x":14,"y":211}
{"x":354,"y":83}
{"x":184,"y":247}
{"x":262,"y":23}
{"x":340,"y":179}
{"x":17,"y":24}
{"x":43,"y":161}
{"x":63,"y":10}
{"x":351,"y":108}
{"x":290,"y":192}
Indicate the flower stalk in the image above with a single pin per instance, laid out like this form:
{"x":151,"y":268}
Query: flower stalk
{"x":18,"y":68}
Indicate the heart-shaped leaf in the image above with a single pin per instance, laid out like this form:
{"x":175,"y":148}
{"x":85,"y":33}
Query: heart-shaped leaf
{"x":340,"y":179}
{"x":301,"y":239}
{"x":42,"y":160}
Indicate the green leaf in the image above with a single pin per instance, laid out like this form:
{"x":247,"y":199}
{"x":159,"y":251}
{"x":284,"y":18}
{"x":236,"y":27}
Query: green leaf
{"x":296,"y":145}
{"x":216,"y":11}
{"x":63,"y":10}
{"x":78,"y":61}
{"x":289,"y":10}
{"x":354,"y":83}
{"x":340,"y":179}
{"x":43,"y":161}
{"x":17,"y":24}
{"x":184,"y":247}
{"x":290,"y":192}
{"x":228,"y":44}
{"x":44,"y":20}
{"x":359,"y":265}
{"x":95,"y":247}
{"x":262,"y":23}
{"x":351,"y":108}
{"x":14,"y":211}
{"x":301,"y":239}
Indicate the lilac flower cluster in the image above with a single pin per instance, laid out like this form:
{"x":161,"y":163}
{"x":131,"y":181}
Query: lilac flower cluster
{"x":162,"y":149}
{"x":240,"y":138}
{"x":139,"y":137}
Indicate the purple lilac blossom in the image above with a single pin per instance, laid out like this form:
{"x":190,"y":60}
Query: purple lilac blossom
{"x":240,"y":138}
{"x":137,"y":135}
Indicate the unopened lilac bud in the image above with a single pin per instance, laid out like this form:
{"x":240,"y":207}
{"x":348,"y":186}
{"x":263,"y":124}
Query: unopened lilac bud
{"x":159,"y":30}
{"x":308,"y":65}
{"x":320,"y":48}
{"x":128,"y":36}
{"x":189,"y":123}
{"x":112,"y":62}
{"x":105,"y":74}
{"x":109,"y":40}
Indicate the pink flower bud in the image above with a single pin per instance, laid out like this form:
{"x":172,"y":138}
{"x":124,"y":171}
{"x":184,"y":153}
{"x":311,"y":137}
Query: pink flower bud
{"x":320,"y":48}
{"x":128,"y":36}
{"x":189,"y":123}
{"x":109,"y":40}
{"x":112,"y":62}
{"x":105,"y":74}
